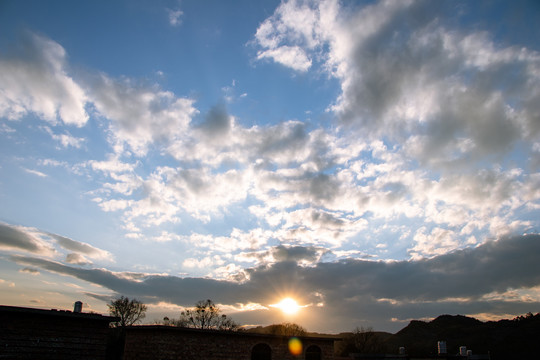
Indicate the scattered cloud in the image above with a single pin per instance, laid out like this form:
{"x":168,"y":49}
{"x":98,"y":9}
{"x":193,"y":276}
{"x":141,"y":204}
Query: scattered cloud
{"x":140,"y":115}
{"x":66,"y":140}
{"x":445,"y":94}
{"x":175,"y":16}
{"x":6,"y":129}
{"x":30,"y":271}
{"x":7,"y":283}
{"x":431,"y":156}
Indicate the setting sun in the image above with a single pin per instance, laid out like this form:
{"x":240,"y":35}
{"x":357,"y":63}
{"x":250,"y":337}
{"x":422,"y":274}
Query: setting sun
{"x":288,"y":306}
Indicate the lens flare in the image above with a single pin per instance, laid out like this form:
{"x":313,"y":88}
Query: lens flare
{"x":295,"y":346}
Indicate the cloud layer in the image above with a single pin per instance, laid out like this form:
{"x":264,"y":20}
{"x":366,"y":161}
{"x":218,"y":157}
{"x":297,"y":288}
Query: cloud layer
{"x":348,"y":291}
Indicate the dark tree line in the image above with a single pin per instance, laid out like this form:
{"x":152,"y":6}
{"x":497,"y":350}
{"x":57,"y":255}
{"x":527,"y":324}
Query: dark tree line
{"x":285,"y":329}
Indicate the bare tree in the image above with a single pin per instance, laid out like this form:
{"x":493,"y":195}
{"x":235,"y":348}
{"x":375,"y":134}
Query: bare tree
{"x":206,"y":315}
{"x":129,"y":311}
{"x":363,"y":340}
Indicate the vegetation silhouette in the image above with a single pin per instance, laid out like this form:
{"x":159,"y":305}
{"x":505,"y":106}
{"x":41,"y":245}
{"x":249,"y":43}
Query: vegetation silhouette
{"x":285,"y":329}
{"x":204,"y":315}
{"x":363,"y":341}
{"x":128,"y":311}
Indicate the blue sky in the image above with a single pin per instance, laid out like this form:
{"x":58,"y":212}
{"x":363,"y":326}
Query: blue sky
{"x":378,"y":161}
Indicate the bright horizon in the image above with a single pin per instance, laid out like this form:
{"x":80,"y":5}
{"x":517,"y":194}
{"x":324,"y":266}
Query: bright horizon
{"x":374,"y":161}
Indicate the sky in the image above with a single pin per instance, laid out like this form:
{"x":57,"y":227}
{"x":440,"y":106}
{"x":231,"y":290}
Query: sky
{"x":376,"y":161}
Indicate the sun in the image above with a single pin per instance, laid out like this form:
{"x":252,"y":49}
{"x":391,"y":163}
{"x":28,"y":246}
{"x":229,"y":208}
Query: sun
{"x":288,"y":305}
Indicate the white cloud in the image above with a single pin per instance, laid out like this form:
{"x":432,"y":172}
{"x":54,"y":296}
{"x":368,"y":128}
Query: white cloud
{"x":141,"y":115}
{"x":441,"y":98}
{"x":66,"y":139}
{"x":112,"y":166}
{"x":404,"y":75}
{"x":415,"y":96}
{"x":175,"y":16}
{"x":17,"y":239}
{"x":166,"y":236}
{"x":203,"y":263}
{"x":6,"y":129}
{"x":237,"y":240}
{"x":288,"y":32}
{"x":36,"y":172}
{"x":78,"y":259}
{"x":79,"y":248}
{"x":290,"y":56}
{"x":53,"y":162}
{"x":36,"y":80}
{"x":437,"y":242}
{"x":113,"y":204}
{"x":449,"y":90}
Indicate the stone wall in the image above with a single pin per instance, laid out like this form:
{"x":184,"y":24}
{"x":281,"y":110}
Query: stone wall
{"x":27,"y":333}
{"x":166,"y":342}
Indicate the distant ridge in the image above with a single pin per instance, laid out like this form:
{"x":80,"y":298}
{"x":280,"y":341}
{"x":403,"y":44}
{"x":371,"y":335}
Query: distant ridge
{"x":504,"y":339}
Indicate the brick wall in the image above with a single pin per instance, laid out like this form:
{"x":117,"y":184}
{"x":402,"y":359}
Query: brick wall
{"x":47,"y":334}
{"x":165,"y":342}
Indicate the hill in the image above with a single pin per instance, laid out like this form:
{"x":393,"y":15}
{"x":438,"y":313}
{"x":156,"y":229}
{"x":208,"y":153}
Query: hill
{"x":503,"y":339}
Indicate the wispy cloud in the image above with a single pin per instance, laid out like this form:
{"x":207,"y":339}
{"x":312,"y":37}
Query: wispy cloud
{"x":30,"y":271}
{"x":81,"y":248}
{"x":36,"y":172}
{"x":66,"y":139}
{"x":25,"y":239}
{"x":34,"y":241}
{"x":7,"y":283}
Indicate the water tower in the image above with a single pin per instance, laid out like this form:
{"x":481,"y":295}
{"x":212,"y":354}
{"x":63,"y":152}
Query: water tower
{"x":77,"y":307}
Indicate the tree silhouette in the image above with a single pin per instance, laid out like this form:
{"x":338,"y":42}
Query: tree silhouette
{"x":129,"y":311}
{"x":362,"y":340}
{"x":206,"y":315}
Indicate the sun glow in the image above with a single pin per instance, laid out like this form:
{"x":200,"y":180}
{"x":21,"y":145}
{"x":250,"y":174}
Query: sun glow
{"x":288,"y":305}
